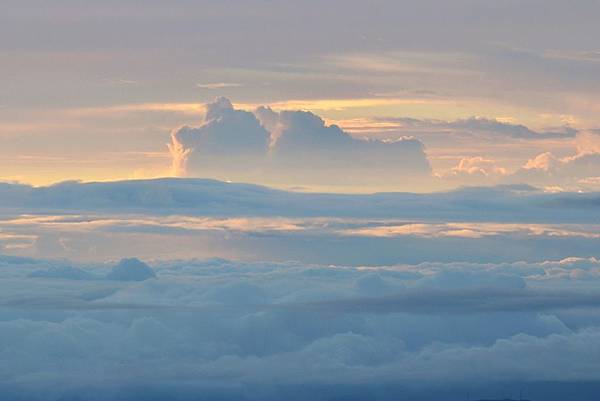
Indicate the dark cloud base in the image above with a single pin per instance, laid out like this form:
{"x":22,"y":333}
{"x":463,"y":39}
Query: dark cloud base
{"x":148,"y":391}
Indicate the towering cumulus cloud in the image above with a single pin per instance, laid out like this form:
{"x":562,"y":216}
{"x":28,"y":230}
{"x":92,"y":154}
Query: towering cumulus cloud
{"x":229,"y":144}
{"x":291,"y":147}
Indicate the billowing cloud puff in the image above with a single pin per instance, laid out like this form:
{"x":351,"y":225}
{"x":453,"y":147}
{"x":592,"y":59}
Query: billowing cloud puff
{"x":219,"y":329}
{"x":476,"y":169}
{"x":291,"y":148}
{"x":578,"y":171}
{"x":229,"y":143}
{"x":305,"y":146}
{"x":574,"y":172}
{"x":546,"y":169}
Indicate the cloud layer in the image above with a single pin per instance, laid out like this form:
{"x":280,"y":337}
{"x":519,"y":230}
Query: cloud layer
{"x":174,"y":218}
{"x":391,"y":295}
{"x":223,"y":329}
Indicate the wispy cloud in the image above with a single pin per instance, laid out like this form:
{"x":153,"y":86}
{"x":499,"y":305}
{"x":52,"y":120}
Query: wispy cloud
{"x":121,"y":81}
{"x":218,"y":85}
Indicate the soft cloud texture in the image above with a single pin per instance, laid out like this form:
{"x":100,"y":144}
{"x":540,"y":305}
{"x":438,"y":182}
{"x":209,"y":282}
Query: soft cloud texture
{"x":244,"y":292}
{"x":229,"y":143}
{"x":297,"y":149}
{"x":203,"y":197}
{"x":224,"y":329}
{"x":477,"y":168}
{"x":188,"y":218}
{"x":569,"y":172}
{"x":291,"y":148}
{"x":382,"y":296}
{"x":473,"y":127}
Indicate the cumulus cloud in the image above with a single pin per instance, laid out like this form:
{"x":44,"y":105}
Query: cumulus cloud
{"x":546,"y":170}
{"x":479,"y":166}
{"x":229,"y":144}
{"x":476,"y":169}
{"x":305,"y":145}
{"x":263,"y":330}
{"x":477,"y":150}
{"x":292,"y":148}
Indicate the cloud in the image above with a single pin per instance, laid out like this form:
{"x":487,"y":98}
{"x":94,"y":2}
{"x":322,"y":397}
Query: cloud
{"x":569,"y":172}
{"x":219,"y":85}
{"x":476,"y":168}
{"x":479,"y":127}
{"x":63,"y":272}
{"x":225,"y":329}
{"x":121,"y":82}
{"x":305,"y":145}
{"x":187,"y":218}
{"x":495,"y":128}
{"x":131,"y":269}
{"x":467,"y":151}
{"x":203,"y":197}
{"x":230,"y":144}
{"x":291,"y":148}
{"x":588,"y":141}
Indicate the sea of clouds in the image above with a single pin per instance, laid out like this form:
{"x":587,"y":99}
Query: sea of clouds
{"x":219,"y":329}
{"x":235,"y":291}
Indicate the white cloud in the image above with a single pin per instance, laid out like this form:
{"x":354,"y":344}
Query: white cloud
{"x":570,"y":172}
{"x":475,"y":170}
{"x":291,"y":148}
{"x":230,"y":144}
{"x":578,"y":171}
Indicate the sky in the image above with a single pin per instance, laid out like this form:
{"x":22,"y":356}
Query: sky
{"x":300,"y":200}
{"x":93,"y":90}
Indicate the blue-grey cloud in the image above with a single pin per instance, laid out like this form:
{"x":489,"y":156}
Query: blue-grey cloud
{"x":201,"y":197}
{"x":228,"y":329}
{"x":474,"y":127}
{"x":291,"y":147}
{"x":130,"y":269}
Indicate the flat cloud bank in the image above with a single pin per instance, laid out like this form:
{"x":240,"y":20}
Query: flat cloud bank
{"x":517,"y":203}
